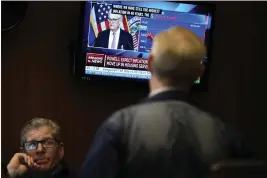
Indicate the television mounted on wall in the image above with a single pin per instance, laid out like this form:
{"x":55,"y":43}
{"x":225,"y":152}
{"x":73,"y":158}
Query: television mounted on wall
{"x":98,"y":56}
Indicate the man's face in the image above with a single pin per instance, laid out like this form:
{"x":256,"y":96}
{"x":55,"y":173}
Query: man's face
{"x":114,"y":22}
{"x":48,"y":154}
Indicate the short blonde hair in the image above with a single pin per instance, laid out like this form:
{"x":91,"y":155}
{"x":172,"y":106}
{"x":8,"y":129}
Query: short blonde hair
{"x":177,"y":55}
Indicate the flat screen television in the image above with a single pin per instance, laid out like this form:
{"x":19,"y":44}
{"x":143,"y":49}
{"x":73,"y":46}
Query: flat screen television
{"x":98,"y":55}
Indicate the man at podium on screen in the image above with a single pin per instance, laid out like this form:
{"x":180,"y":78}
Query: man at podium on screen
{"x":114,"y":37}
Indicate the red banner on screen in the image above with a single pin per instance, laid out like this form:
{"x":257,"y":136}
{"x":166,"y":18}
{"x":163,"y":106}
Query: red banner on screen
{"x":112,"y":61}
{"x":95,"y":59}
{"x":126,"y":62}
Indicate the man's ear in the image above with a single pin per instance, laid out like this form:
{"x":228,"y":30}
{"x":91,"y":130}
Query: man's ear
{"x":199,"y":73}
{"x":21,"y":149}
{"x":150,"y":63}
{"x":201,"y":70}
{"x":61,"y":150}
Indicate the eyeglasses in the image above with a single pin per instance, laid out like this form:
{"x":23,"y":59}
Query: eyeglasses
{"x":33,"y":145}
{"x":113,"y":20}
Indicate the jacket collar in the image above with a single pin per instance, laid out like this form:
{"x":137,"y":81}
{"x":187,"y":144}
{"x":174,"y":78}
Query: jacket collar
{"x":171,"y":94}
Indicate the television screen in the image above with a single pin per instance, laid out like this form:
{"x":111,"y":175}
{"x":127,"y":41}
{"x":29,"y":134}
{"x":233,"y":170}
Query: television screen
{"x":118,"y":35}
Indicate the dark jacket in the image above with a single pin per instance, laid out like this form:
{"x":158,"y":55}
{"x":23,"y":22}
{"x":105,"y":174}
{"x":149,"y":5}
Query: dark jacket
{"x":166,"y":136}
{"x":61,"y":171}
{"x":125,"y":40}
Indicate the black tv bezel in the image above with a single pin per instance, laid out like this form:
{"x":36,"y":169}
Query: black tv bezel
{"x":80,"y":55}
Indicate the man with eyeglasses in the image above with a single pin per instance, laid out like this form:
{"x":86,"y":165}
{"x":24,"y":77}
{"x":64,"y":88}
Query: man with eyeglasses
{"x":114,"y":37}
{"x":41,"y":153}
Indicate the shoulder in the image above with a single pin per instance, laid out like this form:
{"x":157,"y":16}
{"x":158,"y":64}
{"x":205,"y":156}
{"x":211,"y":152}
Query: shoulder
{"x":123,"y":32}
{"x":103,"y":33}
{"x":63,"y":171}
{"x":119,"y":120}
{"x":162,"y":109}
{"x":148,"y":111}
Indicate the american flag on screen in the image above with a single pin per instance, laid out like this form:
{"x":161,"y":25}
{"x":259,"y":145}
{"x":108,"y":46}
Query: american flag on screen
{"x":134,"y":22}
{"x":99,"y":18}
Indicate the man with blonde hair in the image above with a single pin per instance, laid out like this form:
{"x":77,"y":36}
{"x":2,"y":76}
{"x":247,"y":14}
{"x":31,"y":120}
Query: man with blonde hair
{"x":41,"y":152}
{"x":166,"y":136}
{"x":175,"y":58}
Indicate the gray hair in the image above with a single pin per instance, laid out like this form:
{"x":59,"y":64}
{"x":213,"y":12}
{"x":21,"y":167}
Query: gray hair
{"x":36,"y":123}
{"x":117,"y":16}
{"x":177,"y":55}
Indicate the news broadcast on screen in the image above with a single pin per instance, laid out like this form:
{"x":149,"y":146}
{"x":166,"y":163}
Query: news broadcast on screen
{"x":119,"y":34}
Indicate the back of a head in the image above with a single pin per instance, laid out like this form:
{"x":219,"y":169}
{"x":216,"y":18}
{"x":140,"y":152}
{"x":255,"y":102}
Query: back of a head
{"x":177,"y":54}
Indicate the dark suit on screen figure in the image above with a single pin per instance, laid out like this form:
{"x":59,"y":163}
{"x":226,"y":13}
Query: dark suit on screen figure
{"x":114,"y":37}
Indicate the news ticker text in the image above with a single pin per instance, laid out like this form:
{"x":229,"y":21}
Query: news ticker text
{"x":134,"y":10}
